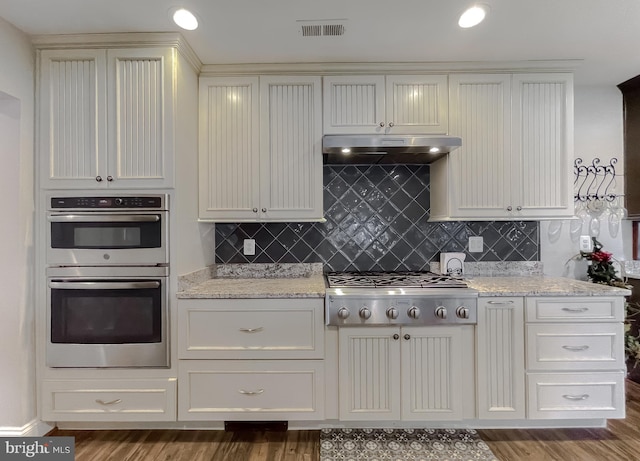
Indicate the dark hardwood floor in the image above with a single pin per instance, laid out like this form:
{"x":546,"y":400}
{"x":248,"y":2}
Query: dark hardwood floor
{"x":620,"y":441}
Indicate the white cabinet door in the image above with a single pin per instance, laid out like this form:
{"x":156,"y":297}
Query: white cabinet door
{"x":290,"y":148}
{"x":73,"y":118}
{"x":106,"y":118}
{"x":354,"y":104}
{"x":369,"y":364}
{"x":543,"y":145}
{"x":417,"y":104}
{"x":229,"y":148}
{"x":478,"y":173}
{"x":432,"y":375}
{"x":141,"y":113}
{"x":500,"y":355}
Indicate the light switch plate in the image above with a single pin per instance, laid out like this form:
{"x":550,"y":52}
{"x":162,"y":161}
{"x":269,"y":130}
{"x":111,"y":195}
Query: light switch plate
{"x":476,"y":244}
{"x":586,"y":244}
{"x":249,"y":248}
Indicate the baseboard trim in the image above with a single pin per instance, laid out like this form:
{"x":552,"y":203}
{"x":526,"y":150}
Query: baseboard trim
{"x":34,"y":428}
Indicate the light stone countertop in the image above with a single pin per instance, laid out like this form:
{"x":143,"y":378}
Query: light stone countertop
{"x":541,"y":286}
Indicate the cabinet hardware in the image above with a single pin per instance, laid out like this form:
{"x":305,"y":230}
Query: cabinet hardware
{"x":575,"y":309}
{"x":391,"y":124}
{"x":499,"y":302}
{"x":509,"y":208}
{"x":576,"y":397}
{"x":264,"y":210}
{"x":251,"y":330}
{"x":99,"y":178}
{"x":111,"y":402}
{"x":396,"y":336}
{"x":258,"y":392}
{"x":109,"y":178}
{"x":255,"y":210}
{"x":519,"y":208}
{"x":381,"y":124}
{"x":576,"y":348}
{"x":407,"y":336}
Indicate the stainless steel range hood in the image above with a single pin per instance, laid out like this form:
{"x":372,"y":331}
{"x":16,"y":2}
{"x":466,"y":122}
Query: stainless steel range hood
{"x":386,"y":149}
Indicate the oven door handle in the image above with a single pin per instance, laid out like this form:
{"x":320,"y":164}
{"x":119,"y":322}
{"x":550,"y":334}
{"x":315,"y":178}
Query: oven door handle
{"x":103,"y":285}
{"x":104,"y":218}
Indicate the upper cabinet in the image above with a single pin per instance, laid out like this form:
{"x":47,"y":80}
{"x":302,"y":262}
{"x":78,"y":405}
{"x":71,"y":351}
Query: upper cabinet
{"x":515,"y":161}
{"x":368,"y":104}
{"x":260,"y":149}
{"x":106,"y":118}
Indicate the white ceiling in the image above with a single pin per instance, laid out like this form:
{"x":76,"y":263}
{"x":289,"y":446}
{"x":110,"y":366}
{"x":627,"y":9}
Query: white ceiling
{"x":604,"y":34}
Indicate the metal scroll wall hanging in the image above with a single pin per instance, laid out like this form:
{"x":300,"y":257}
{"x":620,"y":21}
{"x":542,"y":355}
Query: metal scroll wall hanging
{"x":595,"y":199}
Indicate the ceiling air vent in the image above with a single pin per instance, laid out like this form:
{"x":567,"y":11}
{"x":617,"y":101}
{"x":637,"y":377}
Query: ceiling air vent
{"x":324,"y":29}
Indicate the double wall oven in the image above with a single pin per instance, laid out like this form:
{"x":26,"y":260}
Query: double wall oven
{"x":107,"y":281}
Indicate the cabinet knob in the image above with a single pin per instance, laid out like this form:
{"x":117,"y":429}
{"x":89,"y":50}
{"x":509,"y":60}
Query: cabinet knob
{"x":407,"y":337}
{"x":264,"y":210}
{"x":519,"y":208}
{"x":396,"y":336}
{"x":509,"y":208}
{"x":109,"y":178}
{"x":391,"y":124}
{"x":255,"y":210}
{"x":99,"y":178}
{"x":381,"y":124}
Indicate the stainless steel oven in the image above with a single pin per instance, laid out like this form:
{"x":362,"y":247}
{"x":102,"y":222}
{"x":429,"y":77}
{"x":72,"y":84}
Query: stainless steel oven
{"x":107,"y":230}
{"x":107,"y":317}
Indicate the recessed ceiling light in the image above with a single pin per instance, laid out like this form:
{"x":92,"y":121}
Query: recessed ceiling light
{"x":185,"y":19}
{"x":473,"y":16}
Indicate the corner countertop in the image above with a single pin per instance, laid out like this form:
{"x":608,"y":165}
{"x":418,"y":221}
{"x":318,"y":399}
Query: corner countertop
{"x":541,"y":286}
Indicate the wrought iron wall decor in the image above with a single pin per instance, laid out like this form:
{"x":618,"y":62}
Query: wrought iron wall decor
{"x":595,"y":181}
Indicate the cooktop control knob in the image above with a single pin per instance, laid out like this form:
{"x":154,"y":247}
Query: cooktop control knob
{"x":365,"y":313}
{"x":462,"y":312}
{"x":343,"y":313}
{"x":118,"y":201}
{"x":392,"y":313}
{"x":441,"y":312}
{"x":413,"y":312}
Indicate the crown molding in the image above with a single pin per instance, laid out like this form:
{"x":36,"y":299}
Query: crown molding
{"x":119,"y":40}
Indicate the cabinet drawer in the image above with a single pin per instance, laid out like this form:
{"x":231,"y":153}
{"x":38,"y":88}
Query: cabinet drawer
{"x":246,"y":329}
{"x":579,"y":395}
{"x":109,"y":400}
{"x":244,"y":390}
{"x":585,"y":309}
{"x":575,"y":347}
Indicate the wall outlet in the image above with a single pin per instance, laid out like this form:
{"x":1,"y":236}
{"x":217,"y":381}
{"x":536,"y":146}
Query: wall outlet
{"x":249,"y":248}
{"x":586,"y":244}
{"x":476,"y":244}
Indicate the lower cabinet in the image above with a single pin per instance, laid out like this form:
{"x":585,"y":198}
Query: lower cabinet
{"x":407,"y":373}
{"x":251,"y":390}
{"x":251,"y":359}
{"x":109,"y":400}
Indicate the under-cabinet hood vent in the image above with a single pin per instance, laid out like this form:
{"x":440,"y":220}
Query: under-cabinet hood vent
{"x":386,"y":149}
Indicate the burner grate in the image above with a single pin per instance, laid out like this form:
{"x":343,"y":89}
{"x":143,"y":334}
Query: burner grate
{"x":393,"y":279}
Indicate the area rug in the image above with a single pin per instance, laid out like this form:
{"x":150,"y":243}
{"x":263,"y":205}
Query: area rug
{"x":403,"y":444}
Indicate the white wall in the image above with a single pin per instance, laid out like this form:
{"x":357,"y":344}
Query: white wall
{"x":17,"y":362}
{"x":598,"y":134}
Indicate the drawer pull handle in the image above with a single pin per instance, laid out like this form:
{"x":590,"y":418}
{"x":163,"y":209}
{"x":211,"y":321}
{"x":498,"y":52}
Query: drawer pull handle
{"x":111,"y":402}
{"x":576,"y":348}
{"x":576,"y":397}
{"x":575,"y":309}
{"x":258,"y":392}
{"x":251,"y":330}
{"x":499,"y":302}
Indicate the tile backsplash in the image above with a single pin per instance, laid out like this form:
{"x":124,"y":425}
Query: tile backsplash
{"x":376,"y":219}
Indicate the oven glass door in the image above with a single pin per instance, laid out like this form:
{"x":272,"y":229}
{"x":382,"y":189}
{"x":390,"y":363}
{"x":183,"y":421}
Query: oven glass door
{"x":107,"y":323}
{"x":107,"y":238}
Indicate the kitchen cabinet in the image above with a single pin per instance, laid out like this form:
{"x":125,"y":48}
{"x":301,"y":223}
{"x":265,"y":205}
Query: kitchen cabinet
{"x":260,"y":149}
{"x":500,"y":358}
{"x":631,"y":107}
{"x":109,"y":400}
{"x":515,"y":161}
{"x":365,"y":104}
{"x":406,"y":373}
{"x":106,"y":118}
{"x":251,"y":359}
{"x":575,"y":357}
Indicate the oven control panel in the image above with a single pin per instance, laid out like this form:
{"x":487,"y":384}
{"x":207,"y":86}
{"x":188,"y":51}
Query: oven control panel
{"x":138,"y":202}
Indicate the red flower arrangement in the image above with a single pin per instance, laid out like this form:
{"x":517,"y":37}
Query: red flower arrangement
{"x":601,"y":269}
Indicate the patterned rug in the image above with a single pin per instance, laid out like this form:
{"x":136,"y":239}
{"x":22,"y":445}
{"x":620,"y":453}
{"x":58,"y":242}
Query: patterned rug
{"x":403,"y":444}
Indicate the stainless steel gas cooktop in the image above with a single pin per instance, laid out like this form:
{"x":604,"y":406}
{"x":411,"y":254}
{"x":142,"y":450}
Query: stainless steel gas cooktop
{"x":398,"y":298}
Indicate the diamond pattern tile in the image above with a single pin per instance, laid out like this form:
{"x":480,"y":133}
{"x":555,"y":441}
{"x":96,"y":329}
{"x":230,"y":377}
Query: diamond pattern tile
{"x":376,"y":219}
